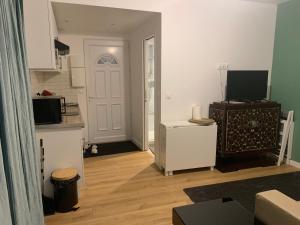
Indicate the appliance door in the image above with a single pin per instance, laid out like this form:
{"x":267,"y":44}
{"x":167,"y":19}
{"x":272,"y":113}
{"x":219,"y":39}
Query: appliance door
{"x":47,"y":110}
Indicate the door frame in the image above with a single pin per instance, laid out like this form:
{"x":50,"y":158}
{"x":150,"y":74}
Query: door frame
{"x":127,"y":110}
{"x":145,"y":105}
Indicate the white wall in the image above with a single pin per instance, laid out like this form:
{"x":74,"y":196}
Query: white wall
{"x":146,"y":30}
{"x":208,"y":32}
{"x":198,"y":34}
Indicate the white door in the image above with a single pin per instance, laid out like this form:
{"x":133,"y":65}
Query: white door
{"x":105,"y":91}
{"x":149,"y":78}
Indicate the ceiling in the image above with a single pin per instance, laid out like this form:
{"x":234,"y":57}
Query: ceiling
{"x":95,"y":20}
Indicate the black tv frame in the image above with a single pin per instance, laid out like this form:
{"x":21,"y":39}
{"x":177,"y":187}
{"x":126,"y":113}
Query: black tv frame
{"x":254,"y":73}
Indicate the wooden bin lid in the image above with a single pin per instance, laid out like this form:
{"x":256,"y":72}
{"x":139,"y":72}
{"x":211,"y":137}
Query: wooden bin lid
{"x":64,"y":174}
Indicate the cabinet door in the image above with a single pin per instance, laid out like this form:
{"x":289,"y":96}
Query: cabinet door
{"x":63,"y":149}
{"x":252,"y":129}
{"x":39,"y":34}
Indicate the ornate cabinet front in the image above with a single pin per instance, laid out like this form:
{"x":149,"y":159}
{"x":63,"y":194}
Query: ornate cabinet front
{"x":246,"y":127}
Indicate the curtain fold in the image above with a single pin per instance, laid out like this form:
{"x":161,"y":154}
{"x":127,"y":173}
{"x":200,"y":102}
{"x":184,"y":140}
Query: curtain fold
{"x":20,"y":192}
{"x":4,"y":206}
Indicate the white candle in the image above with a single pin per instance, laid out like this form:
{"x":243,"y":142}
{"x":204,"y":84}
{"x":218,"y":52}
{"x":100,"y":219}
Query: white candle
{"x":197,"y":112}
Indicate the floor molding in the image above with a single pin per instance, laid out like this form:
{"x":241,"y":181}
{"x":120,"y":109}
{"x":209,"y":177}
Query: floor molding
{"x":137,"y":143}
{"x":295,"y":164}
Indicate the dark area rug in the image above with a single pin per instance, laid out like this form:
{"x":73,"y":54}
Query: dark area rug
{"x":111,"y":148}
{"x":244,"y":191}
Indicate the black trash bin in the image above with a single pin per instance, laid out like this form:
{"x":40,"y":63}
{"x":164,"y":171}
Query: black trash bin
{"x":65,"y":189}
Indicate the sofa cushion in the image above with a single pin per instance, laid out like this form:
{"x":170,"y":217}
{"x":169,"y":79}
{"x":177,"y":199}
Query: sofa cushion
{"x":275,"y":208}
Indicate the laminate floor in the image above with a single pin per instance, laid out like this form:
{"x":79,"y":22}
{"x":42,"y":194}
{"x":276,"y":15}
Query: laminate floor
{"x":128,"y":189}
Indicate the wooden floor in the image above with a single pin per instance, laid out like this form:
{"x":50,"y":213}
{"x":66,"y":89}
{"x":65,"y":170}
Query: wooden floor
{"x":127,"y":189}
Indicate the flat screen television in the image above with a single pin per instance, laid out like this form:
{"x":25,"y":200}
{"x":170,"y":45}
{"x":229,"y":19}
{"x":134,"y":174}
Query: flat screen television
{"x":247,"y":85}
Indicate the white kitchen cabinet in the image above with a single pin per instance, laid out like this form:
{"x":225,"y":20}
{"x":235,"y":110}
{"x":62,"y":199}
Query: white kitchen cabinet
{"x":186,"y":145}
{"x":40,"y":33}
{"x":62,"y":149}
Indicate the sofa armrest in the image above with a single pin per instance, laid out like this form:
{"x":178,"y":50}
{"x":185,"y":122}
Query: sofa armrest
{"x":274,"y":208}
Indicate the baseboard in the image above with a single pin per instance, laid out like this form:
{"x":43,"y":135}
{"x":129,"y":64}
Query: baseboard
{"x":137,"y":143}
{"x":109,"y":139}
{"x":295,"y":164}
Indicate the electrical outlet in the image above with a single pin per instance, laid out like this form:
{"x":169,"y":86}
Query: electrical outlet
{"x":222,"y":66}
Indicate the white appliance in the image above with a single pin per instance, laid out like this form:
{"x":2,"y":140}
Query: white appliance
{"x":77,"y":71}
{"x":186,"y":145}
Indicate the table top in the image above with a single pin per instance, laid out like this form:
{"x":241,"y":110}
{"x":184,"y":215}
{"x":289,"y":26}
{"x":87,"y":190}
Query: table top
{"x":215,"y":212}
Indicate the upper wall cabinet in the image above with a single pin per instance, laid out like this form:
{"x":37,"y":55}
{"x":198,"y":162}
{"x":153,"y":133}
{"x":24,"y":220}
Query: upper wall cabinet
{"x":40,"y":32}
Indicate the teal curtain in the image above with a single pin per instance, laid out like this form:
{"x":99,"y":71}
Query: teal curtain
{"x":4,"y":201}
{"x":20,"y":189}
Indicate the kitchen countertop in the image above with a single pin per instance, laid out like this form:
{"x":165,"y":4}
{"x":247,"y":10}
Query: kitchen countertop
{"x":71,"y":119}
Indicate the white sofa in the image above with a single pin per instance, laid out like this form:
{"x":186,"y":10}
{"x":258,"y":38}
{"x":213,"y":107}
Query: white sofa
{"x":274,"y":208}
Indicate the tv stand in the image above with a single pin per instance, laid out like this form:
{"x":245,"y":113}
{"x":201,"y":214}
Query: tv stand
{"x":246,"y":128}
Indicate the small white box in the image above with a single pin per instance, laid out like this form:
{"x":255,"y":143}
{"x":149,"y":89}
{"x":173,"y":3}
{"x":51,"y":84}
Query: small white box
{"x":186,"y":145}
{"x":78,"y":77}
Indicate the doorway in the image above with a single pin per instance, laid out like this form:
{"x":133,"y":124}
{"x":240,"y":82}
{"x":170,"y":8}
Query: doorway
{"x":149,"y":78}
{"x":106,"y":84}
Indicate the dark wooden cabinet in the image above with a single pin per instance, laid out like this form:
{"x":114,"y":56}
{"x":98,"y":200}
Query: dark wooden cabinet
{"x":246,"y":127}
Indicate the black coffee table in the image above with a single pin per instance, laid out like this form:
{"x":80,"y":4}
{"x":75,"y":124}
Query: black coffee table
{"x":216,"y":212}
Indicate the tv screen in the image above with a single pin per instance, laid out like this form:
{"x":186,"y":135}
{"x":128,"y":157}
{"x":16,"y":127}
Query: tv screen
{"x":246,"y":85}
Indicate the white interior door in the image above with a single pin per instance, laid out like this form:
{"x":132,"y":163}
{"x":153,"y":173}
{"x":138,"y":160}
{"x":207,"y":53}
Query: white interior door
{"x":149,"y":92}
{"x":106,"y":92}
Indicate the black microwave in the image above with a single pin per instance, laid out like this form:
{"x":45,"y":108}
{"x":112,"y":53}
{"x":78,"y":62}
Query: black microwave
{"x":48,"y":109}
